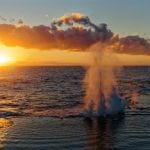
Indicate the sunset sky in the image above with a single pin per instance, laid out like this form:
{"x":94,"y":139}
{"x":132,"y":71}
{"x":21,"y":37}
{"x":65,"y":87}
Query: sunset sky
{"x":123,"y":17}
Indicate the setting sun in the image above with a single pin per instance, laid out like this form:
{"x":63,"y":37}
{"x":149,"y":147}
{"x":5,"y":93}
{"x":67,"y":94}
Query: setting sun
{"x":4,"y":59}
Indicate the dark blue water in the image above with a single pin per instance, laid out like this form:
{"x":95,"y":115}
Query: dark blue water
{"x":31,"y":96}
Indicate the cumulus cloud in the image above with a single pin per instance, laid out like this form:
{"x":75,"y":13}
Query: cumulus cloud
{"x":73,"y":32}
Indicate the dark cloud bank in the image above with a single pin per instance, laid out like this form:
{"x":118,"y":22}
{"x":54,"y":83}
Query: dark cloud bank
{"x":72,"y":32}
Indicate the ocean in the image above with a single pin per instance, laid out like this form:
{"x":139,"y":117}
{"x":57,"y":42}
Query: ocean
{"x":41,"y":107}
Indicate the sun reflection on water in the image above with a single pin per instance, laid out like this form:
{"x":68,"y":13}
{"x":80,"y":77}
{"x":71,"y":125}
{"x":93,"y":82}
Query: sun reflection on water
{"x":5,"y":122}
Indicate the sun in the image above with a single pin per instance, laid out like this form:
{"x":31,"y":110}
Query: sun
{"x":4,"y":59}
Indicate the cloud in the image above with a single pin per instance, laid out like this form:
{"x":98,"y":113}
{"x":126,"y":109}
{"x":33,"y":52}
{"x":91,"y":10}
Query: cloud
{"x":71,"y":32}
{"x":134,"y":45}
{"x":3,"y":19}
{"x":20,"y":21}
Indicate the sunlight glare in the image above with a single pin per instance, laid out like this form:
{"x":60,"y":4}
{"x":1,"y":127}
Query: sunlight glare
{"x":4,"y":59}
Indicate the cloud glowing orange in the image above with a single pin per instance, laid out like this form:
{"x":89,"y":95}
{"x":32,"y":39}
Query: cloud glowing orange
{"x":72,"y":32}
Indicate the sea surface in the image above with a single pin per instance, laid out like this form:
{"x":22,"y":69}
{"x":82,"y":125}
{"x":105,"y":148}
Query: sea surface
{"x":41,"y":107}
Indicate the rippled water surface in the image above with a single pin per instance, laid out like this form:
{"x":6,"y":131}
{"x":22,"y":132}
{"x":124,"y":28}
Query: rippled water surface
{"x":32,"y":99}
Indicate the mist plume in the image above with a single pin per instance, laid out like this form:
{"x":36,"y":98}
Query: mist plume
{"x":101,"y":98}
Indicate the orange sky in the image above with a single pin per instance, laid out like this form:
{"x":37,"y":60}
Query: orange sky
{"x":71,"y":35}
{"x":124,"y":18}
{"x":32,"y":57}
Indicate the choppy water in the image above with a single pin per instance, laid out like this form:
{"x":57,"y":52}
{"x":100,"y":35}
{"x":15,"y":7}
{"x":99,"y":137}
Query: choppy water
{"x":28,"y":92}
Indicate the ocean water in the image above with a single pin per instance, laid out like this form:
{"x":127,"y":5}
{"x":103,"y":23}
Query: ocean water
{"x":41,"y":107}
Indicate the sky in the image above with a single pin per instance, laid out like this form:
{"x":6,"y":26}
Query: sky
{"x":123,"y":17}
